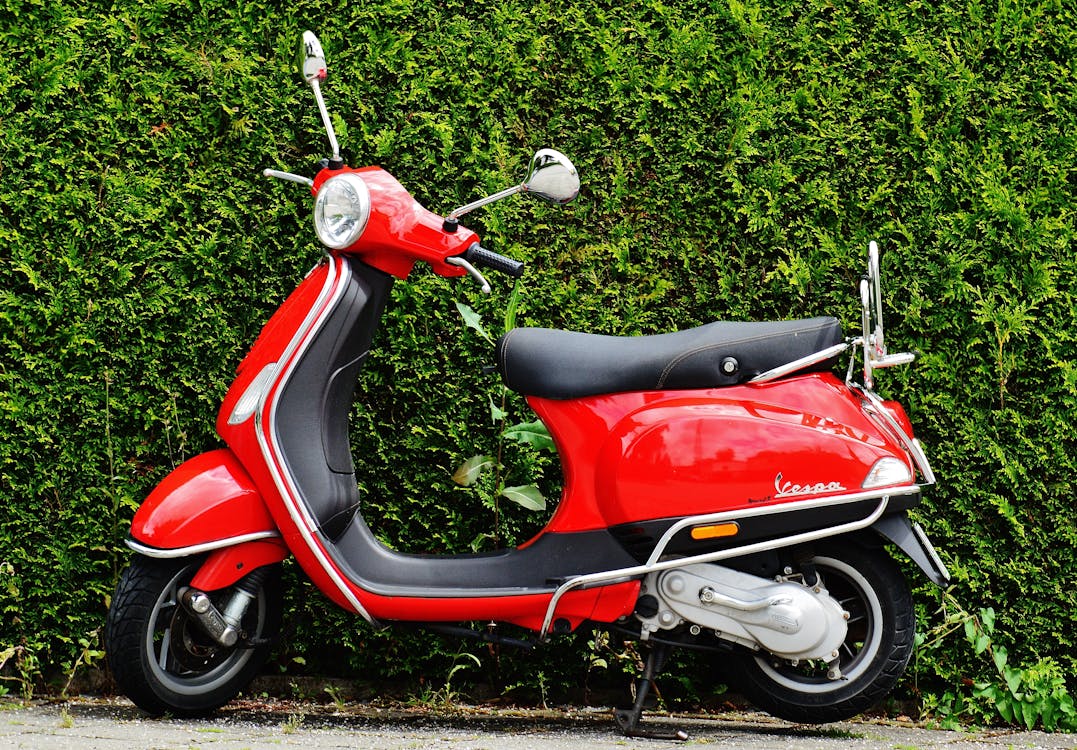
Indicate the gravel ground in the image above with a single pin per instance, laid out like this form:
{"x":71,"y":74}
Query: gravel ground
{"x":87,"y":724}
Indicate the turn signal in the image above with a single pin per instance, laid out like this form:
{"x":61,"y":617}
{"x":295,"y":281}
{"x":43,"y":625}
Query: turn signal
{"x":252,"y":397}
{"x":716,"y":531}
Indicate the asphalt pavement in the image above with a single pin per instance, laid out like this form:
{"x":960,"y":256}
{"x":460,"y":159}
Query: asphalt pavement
{"x":112,"y":724}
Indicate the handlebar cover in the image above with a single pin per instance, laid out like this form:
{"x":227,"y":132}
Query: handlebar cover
{"x":477,"y":255}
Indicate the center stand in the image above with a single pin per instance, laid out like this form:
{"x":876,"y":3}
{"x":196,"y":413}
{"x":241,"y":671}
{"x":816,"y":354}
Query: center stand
{"x":628,"y":718}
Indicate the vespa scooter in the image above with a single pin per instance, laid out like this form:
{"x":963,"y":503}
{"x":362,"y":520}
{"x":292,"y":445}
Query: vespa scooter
{"x":724,"y":491}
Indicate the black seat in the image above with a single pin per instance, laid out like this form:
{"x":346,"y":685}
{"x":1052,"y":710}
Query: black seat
{"x":566,"y":364}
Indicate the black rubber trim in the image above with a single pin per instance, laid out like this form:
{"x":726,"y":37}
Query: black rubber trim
{"x":639,"y":539}
{"x":311,"y":418}
{"x":532,"y":569}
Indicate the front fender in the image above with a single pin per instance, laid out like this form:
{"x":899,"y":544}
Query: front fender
{"x":207,"y":503}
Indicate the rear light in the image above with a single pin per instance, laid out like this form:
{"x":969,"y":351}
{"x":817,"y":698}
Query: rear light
{"x":887,"y":471}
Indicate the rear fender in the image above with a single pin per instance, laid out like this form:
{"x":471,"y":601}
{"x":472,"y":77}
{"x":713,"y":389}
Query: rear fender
{"x":912,"y":540}
{"x":206,"y":504}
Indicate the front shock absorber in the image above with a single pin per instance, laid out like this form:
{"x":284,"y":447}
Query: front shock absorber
{"x":224,"y":626}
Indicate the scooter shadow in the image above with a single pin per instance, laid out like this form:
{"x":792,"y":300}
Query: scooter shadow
{"x":597,"y":722}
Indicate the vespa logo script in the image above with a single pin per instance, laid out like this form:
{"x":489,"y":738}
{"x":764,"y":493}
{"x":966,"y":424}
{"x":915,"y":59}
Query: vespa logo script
{"x":789,"y":489}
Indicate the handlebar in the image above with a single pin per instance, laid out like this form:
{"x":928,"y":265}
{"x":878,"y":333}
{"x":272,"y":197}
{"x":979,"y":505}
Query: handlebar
{"x":288,"y":176}
{"x":478,"y":255}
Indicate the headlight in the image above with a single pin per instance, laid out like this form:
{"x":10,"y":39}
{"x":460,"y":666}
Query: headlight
{"x":341,"y":210}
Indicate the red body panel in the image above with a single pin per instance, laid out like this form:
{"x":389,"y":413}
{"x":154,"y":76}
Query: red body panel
{"x":226,"y":566}
{"x":400,"y":231}
{"x":600,"y":605}
{"x":268,"y":348}
{"x":630,"y":457}
{"x":206,"y":499}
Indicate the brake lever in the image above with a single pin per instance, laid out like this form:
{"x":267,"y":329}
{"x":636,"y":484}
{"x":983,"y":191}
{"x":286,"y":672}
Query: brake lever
{"x":288,"y":176}
{"x":459,"y":261}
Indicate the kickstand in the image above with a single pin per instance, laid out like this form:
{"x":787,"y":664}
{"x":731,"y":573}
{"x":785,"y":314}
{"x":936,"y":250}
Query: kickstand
{"x":628,"y":718}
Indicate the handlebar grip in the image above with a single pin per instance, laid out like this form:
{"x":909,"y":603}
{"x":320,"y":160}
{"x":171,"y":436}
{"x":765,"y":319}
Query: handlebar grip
{"x":478,"y":255}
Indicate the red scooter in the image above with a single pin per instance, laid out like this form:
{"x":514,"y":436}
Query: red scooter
{"x":724,"y":491}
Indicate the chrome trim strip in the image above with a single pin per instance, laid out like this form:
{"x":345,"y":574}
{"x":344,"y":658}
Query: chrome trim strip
{"x":769,"y":510}
{"x":640,"y":570}
{"x":911,"y":445}
{"x":198,"y":549}
{"x":323,"y":307}
{"x":799,"y":364}
{"x":929,"y":549}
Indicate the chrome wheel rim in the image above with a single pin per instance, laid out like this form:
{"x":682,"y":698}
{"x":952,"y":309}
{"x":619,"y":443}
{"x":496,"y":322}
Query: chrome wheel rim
{"x":182,"y":658}
{"x":862,"y":643}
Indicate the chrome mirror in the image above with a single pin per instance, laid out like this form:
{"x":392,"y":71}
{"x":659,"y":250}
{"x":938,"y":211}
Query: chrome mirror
{"x":553,"y":177}
{"x":313,"y":69}
{"x":311,"y":58}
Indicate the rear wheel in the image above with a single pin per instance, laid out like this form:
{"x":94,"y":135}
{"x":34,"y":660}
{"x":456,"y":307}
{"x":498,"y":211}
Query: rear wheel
{"x":159,"y":654}
{"x":871,"y":587}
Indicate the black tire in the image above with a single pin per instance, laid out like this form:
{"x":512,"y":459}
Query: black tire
{"x":882,"y":627}
{"x":160,"y":657}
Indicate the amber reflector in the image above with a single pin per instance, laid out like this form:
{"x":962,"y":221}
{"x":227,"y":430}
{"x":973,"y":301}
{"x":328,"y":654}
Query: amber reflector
{"x":716,"y":531}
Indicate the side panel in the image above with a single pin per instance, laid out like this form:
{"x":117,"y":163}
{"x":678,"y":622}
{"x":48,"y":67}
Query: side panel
{"x":268,"y":348}
{"x":633,"y":457}
{"x":209,"y":498}
{"x":604,"y":604}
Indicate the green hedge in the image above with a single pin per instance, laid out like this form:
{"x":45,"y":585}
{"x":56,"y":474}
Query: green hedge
{"x":736,"y":158}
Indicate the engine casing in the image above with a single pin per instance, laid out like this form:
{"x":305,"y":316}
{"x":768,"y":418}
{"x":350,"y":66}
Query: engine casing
{"x":787,"y":619}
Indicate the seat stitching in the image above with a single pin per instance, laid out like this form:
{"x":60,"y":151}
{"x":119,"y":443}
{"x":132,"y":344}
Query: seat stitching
{"x":505,"y":352}
{"x":685,"y":355}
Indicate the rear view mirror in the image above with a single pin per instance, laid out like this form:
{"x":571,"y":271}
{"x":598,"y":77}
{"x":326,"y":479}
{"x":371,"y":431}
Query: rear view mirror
{"x":553,"y":177}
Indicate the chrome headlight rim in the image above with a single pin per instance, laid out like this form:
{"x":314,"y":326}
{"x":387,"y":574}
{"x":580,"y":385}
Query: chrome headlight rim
{"x":341,"y":210}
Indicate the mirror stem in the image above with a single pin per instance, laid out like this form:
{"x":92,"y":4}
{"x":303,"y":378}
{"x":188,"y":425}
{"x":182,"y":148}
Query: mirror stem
{"x":484,"y":201}
{"x":336,"y":162}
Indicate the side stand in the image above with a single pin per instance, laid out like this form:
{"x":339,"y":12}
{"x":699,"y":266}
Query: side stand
{"x":628,"y":718}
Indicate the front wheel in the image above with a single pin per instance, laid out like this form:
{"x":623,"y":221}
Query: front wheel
{"x":871,"y":587}
{"x":160,"y":656}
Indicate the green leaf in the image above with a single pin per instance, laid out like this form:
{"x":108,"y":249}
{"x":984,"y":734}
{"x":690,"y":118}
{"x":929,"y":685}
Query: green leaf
{"x":497,"y":414}
{"x":1047,"y":708}
{"x":473,"y":320}
{"x":987,"y":616}
{"x":512,"y":306}
{"x":1005,"y":709}
{"x":982,"y":642}
{"x":1013,"y":679}
{"x":970,"y":630}
{"x":532,"y":433}
{"x":481,"y":539}
{"x":527,"y":496}
{"x":1000,"y":657}
{"x":469,"y":471}
{"x":1029,"y":714}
